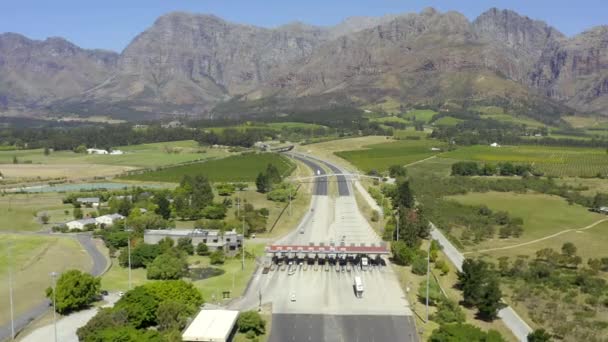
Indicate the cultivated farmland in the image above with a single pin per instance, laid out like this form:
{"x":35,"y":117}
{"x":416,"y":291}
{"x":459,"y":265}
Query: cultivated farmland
{"x":241,"y":168}
{"x":553,"y":161}
{"x":380,"y":156}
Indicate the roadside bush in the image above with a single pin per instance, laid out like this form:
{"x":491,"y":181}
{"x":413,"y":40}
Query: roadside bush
{"x":419,"y":266}
{"x":448,"y":311}
{"x":217,"y":257}
{"x":75,"y":290}
{"x":251,"y":321}
{"x":202,"y":249}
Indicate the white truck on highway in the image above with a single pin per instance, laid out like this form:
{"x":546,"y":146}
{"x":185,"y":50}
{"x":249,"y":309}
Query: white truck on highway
{"x":364,"y":263}
{"x":358,"y":287}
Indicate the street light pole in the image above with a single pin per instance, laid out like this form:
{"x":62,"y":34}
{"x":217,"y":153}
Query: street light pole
{"x":428,"y":273}
{"x":10,"y":288}
{"x":128,"y":250}
{"x":290,"y":201}
{"x":397,"y":227}
{"x":54,"y":279}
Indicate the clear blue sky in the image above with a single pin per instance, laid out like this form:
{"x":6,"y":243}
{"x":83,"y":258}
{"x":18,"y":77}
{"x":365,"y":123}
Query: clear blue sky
{"x":111,"y":24}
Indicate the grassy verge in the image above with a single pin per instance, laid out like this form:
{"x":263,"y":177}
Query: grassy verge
{"x":18,"y":211}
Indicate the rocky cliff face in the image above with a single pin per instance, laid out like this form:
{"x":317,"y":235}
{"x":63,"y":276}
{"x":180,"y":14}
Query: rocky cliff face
{"x":34,"y":73}
{"x":188,"y":64}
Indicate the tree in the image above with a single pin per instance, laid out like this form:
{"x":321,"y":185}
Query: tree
{"x":202,"y":249}
{"x":125,"y":334}
{"x":202,"y":193}
{"x":214,"y":212}
{"x":184,"y":244}
{"x":77,"y":213}
{"x":397,"y":171}
{"x":262,"y":182}
{"x":177,"y":290}
{"x":163,"y":206}
{"x":273,"y":174}
{"x":165,"y":244}
{"x":402,"y":254}
{"x":74,"y":290}
{"x":569,"y":249}
{"x":140,"y":305}
{"x":480,"y":288}
{"x":45,"y":218}
{"x":166,"y":266}
{"x":251,"y":321}
{"x":490,"y":301}
{"x":141,"y":255}
{"x":404,"y":196}
{"x":171,"y":315}
{"x":217,"y":257}
{"x":47,"y":151}
{"x":15,"y":160}
{"x":442,"y":266}
{"x":539,"y":335}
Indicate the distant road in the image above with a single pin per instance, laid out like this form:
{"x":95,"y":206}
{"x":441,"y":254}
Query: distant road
{"x":99,"y":265}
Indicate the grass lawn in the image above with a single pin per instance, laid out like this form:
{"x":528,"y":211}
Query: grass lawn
{"x":18,"y":211}
{"x":543,"y":215}
{"x":553,"y":161}
{"x":241,"y":168}
{"x":380,"y":156}
{"x":447,"y":121}
{"x":34,"y":258}
{"x":117,"y":277}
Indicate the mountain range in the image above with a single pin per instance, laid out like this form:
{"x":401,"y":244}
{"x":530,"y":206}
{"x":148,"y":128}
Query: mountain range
{"x":204,"y":66}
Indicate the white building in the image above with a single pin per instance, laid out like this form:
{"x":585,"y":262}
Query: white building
{"x":117,"y":152}
{"x":80,"y":224}
{"x":92,"y":201}
{"x":96,"y":151}
{"x":108,"y":220}
{"x":212,"y":326}
{"x":494,"y":145}
{"x":229,"y":241}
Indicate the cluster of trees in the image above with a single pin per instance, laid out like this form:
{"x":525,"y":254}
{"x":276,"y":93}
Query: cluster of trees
{"x":466,"y":168}
{"x":480,"y":288}
{"x":192,"y":196}
{"x":464,"y":332}
{"x":251,"y":324}
{"x":266,"y":180}
{"x":282,"y":192}
{"x":165,"y":305}
{"x":235,"y":137}
{"x":165,"y":260}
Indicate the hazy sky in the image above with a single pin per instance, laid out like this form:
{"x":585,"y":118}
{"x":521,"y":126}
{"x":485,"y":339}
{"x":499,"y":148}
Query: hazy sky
{"x":111,"y":24}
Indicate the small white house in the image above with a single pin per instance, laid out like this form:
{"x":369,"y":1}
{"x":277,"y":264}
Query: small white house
{"x":108,"y":220}
{"x":96,"y":151}
{"x":117,"y":152}
{"x":80,"y":224}
{"x":494,"y":145}
{"x":435,"y":149}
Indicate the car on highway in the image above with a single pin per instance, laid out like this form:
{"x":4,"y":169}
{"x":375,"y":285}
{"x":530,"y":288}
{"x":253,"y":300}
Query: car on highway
{"x":302,"y":231}
{"x":292,"y":297}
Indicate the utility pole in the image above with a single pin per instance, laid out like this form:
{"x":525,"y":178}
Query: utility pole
{"x":290,"y":201}
{"x":428,"y":273}
{"x":10,"y":288}
{"x":238,"y":202}
{"x":54,"y":280}
{"x":243,"y":246}
{"x":397,"y":227}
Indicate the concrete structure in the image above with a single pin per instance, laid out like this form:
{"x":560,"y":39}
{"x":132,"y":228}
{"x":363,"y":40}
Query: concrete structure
{"x":229,"y":241}
{"x":80,"y":224}
{"x":93,"y":201}
{"x":108,"y":220}
{"x":212,"y":326}
{"x":96,"y":151}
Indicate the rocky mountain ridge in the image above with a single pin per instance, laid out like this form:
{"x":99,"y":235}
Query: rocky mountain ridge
{"x":189,"y":64}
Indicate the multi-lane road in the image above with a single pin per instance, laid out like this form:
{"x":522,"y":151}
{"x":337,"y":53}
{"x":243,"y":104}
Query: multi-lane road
{"x":325,"y":306}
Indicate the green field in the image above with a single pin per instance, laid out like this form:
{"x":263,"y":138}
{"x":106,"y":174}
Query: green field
{"x":18,"y":212}
{"x":34,"y":257}
{"x":144,"y":155}
{"x":543,"y":215}
{"x":420,"y":115}
{"x":447,"y":121}
{"x":241,"y":168}
{"x":380,"y":156}
{"x":553,"y":161}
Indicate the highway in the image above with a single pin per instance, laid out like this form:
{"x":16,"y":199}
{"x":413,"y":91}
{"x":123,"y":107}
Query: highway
{"x":326,"y":308}
{"x":99,"y":265}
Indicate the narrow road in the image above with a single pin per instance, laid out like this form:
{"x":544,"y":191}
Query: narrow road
{"x":99,"y":265}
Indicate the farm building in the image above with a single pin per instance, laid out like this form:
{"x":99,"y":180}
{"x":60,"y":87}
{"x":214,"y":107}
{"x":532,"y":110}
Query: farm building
{"x":212,"y":325}
{"x":108,"y":220}
{"x":494,"y":145}
{"x":92,"y":201}
{"x":229,"y":241}
{"x":96,"y":151}
{"x":80,"y":224}
{"x":117,"y":152}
